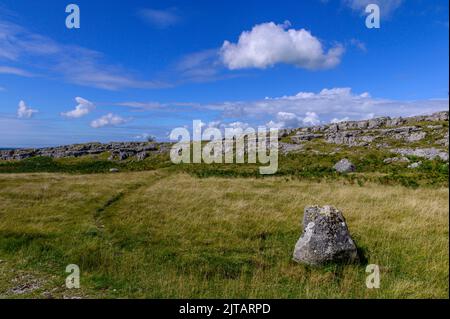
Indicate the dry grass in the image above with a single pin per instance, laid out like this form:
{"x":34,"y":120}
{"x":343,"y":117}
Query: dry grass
{"x":156,"y":234}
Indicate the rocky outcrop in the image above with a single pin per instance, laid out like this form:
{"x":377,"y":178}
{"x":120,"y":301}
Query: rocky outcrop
{"x":428,"y":153}
{"x":325,"y":238}
{"x":304,"y":136}
{"x":405,"y":134}
{"x":286,"y":148}
{"x":117,"y":150}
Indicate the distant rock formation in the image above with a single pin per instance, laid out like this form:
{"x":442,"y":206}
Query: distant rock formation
{"x":384,"y":133}
{"x":402,"y":136}
{"x":117,"y":150}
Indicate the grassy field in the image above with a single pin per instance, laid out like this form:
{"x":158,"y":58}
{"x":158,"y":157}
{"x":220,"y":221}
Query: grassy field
{"x":169,"y":234}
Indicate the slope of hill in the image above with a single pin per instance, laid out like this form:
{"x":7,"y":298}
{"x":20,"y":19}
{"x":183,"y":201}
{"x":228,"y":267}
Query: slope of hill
{"x":407,"y":151}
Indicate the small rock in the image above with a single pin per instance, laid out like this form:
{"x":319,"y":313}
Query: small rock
{"x":113,"y":170}
{"x":344,"y":166}
{"x":415,"y":165}
{"x":325,"y":238}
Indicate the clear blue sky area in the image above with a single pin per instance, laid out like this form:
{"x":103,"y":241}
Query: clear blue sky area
{"x":140,"y":68}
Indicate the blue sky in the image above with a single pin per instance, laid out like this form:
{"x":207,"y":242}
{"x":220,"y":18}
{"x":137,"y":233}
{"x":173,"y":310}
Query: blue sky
{"x":141,"y":68}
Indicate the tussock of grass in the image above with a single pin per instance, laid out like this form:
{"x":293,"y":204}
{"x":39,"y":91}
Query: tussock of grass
{"x":165,"y":234}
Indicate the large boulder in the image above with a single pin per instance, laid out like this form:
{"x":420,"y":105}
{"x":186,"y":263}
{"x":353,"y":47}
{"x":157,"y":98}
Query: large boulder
{"x":325,"y":238}
{"x":344,"y":166}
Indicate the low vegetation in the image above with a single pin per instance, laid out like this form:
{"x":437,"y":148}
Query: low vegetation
{"x":168,"y":234}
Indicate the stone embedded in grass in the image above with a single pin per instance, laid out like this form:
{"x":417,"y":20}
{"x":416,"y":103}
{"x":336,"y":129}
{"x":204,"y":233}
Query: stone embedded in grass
{"x":325,"y":238}
{"x":415,"y":165}
{"x":113,"y":170}
{"x":344,"y":166}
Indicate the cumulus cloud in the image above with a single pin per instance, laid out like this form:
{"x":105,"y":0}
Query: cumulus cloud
{"x":292,"y":120}
{"x":387,"y":7}
{"x":285,"y":119}
{"x":310,"y":108}
{"x":83,"y":108}
{"x":108,"y":120}
{"x":335,"y":120}
{"x":311,"y":119}
{"x":23,"y":111}
{"x":268,"y":44}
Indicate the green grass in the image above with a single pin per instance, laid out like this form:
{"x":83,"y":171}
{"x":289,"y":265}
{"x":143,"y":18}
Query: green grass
{"x":168,"y":234}
{"x":310,"y":165}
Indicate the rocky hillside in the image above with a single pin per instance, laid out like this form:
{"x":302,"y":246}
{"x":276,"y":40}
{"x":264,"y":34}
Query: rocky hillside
{"x":117,"y":150}
{"x":420,"y":136}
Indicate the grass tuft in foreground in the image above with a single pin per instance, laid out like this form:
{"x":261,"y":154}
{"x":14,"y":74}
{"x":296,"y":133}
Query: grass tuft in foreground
{"x":165,"y":234}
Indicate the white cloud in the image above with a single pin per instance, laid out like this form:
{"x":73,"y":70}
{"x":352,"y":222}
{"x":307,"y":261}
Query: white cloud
{"x":160,"y":18}
{"x":308,"y":108}
{"x":23,"y":111}
{"x":284,"y":120}
{"x":202,"y":66}
{"x":145,"y":136}
{"x":83,"y":108}
{"x":268,"y":44}
{"x":292,"y":120}
{"x":335,"y":120}
{"x":222,"y":125}
{"x":108,"y":120}
{"x":73,"y":63}
{"x":142,"y":105}
{"x":387,"y":7}
{"x":14,"y":71}
{"x":311,"y":119}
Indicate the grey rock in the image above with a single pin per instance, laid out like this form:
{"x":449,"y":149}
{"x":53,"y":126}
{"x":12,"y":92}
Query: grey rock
{"x":350,"y":138}
{"x":443,"y":141}
{"x":141,"y":156}
{"x":438,"y":116}
{"x":113,"y":170}
{"x":286,"y":148}
{"x":415,"y":165}
{"x":378,"y":122}
{"x":325,"y":238}
{"x":344,"y":166}
{"x":434,"y":127}
{"x":415,"y":137}
{"x":428,"y":153}
{"x":301,"y":137}
{"x":397,"y":121}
